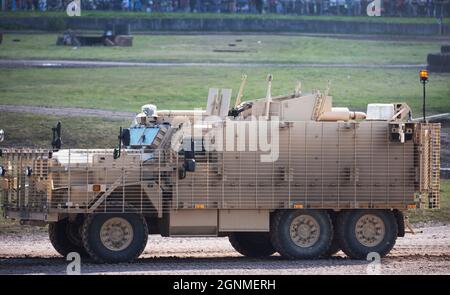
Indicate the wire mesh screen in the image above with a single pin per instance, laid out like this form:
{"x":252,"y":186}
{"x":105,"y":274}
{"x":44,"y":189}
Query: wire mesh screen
{"x":435,"y":161}
{"x":19,"y":189}
{"x":319,"y":165}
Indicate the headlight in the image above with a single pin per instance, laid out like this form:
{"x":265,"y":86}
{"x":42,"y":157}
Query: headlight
{"x":2,"y":171}
{"x":28,"y":171}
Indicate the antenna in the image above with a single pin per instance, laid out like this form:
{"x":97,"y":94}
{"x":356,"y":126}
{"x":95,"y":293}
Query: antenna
{"x":241,"y":90}
{"x":268,"y":94}
{"x":327,"y":90}
{"x":298,"y":89}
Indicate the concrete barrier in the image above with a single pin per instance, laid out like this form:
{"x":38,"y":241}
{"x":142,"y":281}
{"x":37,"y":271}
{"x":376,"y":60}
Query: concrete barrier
{"x":224,"y":25}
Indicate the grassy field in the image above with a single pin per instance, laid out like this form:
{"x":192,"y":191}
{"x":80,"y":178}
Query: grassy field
{"x":203,"y":48}
{"x":187,"y":87}
{"x":120,"y":14}
{"x":29,"y":130}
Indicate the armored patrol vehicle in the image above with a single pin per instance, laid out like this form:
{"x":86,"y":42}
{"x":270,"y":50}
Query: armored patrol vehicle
{"x":286,"y":174}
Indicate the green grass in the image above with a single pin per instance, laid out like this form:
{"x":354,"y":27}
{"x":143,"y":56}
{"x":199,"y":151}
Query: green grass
{"x":441,"y":215}
{"x":187,"y":87}
{"x":200,"y":48}
{"x":30,"y":130}
{"x":119,"y":14}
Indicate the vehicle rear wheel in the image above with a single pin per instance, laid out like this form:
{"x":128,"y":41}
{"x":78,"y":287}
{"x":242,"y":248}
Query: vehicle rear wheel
{"x":65,"y":237}
{"x":252,"y":244}
{"x":115,"y":237}
{"x":361,"y":232}
{"x":301,"y":234}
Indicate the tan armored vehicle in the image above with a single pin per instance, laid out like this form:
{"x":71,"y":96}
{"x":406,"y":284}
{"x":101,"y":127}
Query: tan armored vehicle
{"x":288,"y":174}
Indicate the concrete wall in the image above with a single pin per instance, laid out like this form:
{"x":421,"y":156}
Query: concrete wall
{"x":225,"y":25}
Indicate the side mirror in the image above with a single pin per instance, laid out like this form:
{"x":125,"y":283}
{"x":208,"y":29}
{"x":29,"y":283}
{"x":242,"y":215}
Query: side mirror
{"x":2,"y":135}
{"x":125,"y":137}
{"x":116,"y":153}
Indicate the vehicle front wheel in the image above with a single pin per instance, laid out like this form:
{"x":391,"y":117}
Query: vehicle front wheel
{"x":114,"y":237}
{"x":65,"y":237}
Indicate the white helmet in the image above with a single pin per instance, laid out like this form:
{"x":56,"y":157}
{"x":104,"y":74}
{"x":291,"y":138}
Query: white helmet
{"x":149,"y":110}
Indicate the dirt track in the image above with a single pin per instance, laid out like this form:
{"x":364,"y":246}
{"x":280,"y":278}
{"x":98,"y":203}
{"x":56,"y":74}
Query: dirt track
{"x":425,"y":253}
{"x":68,"y":111}
{"x":31,"y":63}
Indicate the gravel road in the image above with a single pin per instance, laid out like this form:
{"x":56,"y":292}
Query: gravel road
{"x":424,"y":253}
{"x":68,"y":111}
{"x":35,"y":63}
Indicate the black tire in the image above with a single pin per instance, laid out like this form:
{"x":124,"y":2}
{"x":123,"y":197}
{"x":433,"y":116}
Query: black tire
{"x":65,"y":237}
{"x":95,"y":246}
{"x":285,"y":245}
{"x":252,"y":244}
{"x":347,"y":233}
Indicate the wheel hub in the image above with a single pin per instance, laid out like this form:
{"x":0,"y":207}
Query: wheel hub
{"x":116,"y":234}
{"x":370,"y":230}
{"x":304,"y":231}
